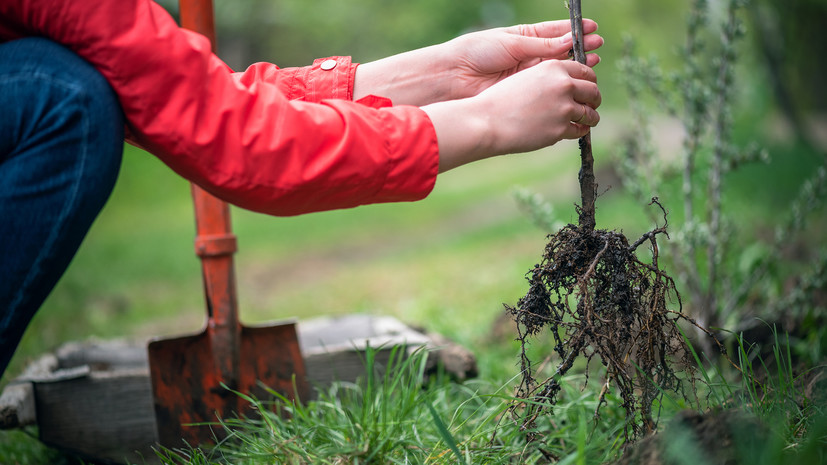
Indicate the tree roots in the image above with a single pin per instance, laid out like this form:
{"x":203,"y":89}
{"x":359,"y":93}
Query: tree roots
{"x":598,"y":299}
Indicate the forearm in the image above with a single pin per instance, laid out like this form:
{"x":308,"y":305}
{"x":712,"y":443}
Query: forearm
{"x":418,"y":78}
{"x":464,"y":133}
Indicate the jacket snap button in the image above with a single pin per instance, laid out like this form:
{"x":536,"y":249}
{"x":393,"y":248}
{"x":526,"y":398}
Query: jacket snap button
{"x":327,"y":65}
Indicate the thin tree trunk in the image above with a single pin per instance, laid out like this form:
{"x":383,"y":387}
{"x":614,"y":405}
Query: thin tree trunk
{"x":588,"y":188}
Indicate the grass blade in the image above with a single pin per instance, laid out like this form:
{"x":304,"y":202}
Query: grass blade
{"x":446,"y":435}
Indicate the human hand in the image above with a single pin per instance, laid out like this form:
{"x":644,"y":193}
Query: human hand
{"x":534,"y":108}
{"x":469,"y":64}
{"x":481,"y":59}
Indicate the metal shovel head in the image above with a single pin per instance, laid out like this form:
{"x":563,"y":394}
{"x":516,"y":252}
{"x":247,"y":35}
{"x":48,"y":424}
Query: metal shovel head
{"x":187,"y":381}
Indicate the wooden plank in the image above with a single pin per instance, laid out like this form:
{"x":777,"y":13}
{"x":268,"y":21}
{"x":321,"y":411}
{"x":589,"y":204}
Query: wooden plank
{"x":333,"y":348}
{"x":17,"y":406}
{"x":94,"y":399}
{"x":355,"y":332}
{"x":102,"y":355}
{"x":104,"y":416}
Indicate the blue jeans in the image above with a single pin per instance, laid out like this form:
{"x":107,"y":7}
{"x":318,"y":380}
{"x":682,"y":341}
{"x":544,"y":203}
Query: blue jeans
{"x":61,"y":141}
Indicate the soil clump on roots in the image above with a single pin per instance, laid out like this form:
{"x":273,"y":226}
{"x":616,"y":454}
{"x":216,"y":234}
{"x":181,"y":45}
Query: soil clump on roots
{"x":599,"y":300}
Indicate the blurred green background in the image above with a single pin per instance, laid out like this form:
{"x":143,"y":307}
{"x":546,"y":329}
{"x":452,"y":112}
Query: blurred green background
{"x":447,"y":263}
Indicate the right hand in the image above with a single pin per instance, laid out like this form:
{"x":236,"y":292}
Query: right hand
{"x":540,"y":106}
{"x":534,"y":108}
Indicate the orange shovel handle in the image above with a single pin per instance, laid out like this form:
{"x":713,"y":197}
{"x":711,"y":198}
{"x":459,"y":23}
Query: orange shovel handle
{"x":215,"y":243}
{"x":197,"y":15}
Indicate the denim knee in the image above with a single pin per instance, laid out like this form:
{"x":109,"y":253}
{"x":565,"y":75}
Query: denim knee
{"x":39,"y":57}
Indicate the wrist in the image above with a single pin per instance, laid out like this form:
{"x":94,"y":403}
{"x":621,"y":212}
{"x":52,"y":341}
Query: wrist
{"x":418,"y":78}
{"x":464,"y":132}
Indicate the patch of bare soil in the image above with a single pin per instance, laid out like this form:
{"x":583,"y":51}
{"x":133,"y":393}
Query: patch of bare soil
{"x":598,"y":300}
{"x":726,"y":437}
{"x":731,"y":436}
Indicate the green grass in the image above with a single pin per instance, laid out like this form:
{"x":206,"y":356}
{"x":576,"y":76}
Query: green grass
{"x":21,"y":447}
{"x":402,"y":417}
{"x":397,"y":415}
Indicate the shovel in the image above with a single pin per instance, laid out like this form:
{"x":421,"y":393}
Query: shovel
{"x":194,"y":377}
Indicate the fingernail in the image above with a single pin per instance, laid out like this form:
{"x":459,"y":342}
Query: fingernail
{"x":566,"y":37}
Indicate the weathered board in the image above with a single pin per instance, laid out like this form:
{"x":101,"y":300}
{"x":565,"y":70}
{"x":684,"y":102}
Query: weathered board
{"x":94,"y":399}
{"x":100,"y":416}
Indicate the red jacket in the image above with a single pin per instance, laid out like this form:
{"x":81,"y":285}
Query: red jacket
{"x":279,"y":141}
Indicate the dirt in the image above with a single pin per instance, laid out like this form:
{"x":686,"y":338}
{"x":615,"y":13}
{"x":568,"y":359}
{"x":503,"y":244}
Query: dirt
{"x":598,"y":300}
{"x":717,"y":438}
{"x":731,"y":436}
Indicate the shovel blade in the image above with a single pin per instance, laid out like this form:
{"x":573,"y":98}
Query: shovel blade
{"x":187,"y":385}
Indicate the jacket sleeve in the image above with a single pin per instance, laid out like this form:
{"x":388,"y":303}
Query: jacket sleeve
{"x":282,"y":142}
{"x":327,"y":78}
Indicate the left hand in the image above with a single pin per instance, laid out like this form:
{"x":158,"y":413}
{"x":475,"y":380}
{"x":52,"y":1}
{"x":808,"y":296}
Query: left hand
{"x":471,"y":63}
{"x":481,"y":59}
